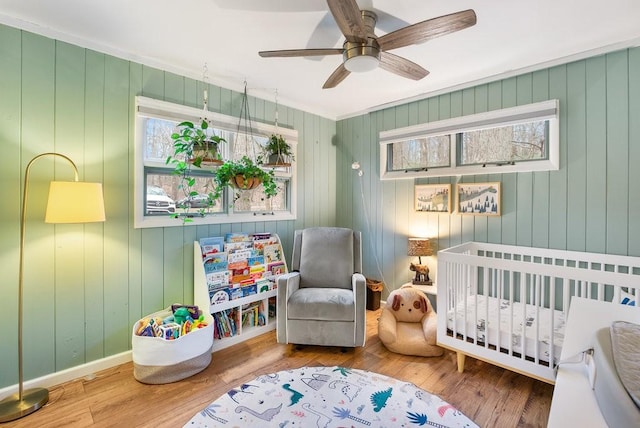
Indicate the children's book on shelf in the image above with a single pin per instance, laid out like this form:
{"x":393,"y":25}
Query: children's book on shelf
{"x":211,"y":245}
{"x":239,"y":265}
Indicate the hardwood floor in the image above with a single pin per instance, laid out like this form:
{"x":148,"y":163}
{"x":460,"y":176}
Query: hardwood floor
{"x":491,"y":396}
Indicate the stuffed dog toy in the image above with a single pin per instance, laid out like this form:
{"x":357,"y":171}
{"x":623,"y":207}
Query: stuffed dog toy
{"x":407,"y":324}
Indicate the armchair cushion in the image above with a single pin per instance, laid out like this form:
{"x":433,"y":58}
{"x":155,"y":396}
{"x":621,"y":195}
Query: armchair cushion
{"x":324,"y":304}
{"x":326,"y":257}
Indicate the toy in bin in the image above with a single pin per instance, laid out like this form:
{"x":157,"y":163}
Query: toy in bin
{"x":182,"y":320}
{"x":171,"y":344}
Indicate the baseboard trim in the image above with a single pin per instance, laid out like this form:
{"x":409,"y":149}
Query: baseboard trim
{"x":87,"y":369}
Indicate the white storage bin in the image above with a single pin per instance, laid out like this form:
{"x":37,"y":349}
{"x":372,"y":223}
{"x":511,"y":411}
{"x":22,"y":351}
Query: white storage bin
{"x":156,"y":360}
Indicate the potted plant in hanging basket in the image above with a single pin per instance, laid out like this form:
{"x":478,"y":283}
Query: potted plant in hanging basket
{"x":196,"y":145}
{"x":244,"y":174}
{"x":278,"y":151}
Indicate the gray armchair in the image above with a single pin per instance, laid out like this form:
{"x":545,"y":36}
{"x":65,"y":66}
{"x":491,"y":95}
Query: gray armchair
{"x":322,"y":300}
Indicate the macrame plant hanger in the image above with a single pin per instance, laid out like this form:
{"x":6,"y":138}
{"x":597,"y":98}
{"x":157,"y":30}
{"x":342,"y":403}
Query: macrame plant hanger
{"x":209,"y":185}
{"x":249,"y":148}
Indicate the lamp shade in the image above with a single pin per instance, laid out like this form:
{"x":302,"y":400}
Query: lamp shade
{"x":419,"y":247}
{"x":74,"y":202}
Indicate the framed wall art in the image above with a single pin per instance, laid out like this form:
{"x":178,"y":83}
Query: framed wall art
{"x":478,"y":198}
{"x":433,"y":198}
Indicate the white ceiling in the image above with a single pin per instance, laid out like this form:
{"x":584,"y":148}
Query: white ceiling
{"x":182,"y":35}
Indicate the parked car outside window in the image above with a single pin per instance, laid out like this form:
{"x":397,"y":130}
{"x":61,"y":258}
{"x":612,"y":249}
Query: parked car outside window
{"x":197,"y":201}
{"x":158,"y":201}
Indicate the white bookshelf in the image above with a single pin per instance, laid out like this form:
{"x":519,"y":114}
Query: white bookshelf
{"x":202,"y":300}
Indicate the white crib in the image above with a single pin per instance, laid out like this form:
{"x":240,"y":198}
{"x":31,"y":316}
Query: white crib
{"x":507,"y":305}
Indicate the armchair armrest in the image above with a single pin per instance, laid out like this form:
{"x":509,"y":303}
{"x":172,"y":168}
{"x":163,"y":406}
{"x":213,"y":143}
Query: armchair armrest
{"x":287,"y":284}
{"x":359,"y":286}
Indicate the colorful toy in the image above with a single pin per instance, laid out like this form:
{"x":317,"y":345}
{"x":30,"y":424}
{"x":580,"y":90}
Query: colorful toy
{"x":180,"y":315}
{"x":172,"y":326}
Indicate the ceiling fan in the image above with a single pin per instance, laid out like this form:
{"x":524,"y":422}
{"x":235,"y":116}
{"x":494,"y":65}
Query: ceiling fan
{"x":364,"y":51}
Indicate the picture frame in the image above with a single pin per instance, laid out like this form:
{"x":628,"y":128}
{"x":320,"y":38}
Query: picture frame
{"x":478,"y":199}
{"x":432,"y":198}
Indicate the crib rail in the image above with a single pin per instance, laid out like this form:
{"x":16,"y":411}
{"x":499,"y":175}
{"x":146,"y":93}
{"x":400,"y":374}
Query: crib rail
{"x":508,"y":304}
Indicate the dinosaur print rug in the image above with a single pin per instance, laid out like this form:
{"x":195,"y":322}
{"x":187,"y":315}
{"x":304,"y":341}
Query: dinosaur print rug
{"x":328,"y":397}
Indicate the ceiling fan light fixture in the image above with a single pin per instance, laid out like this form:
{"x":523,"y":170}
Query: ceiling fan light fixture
{"x":361,"y":57}
{"x":360,"y":64}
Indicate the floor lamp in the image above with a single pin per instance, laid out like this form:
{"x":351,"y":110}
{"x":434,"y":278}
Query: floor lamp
{"x":69,"y":202}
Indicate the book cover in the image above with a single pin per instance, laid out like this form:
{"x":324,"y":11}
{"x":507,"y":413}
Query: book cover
{"x":215,"y":267}
{"x":215,"y":258}
{"x":219,"y":296}
{"x":261,"y":236}
{"x":240,"y":264}
{"x":217,"y":279}
{"x":272,"y":253}
{"x":231,"y":247}
{"x":240,"y":255}
{"x":237,"y":237}
{"x":259,"y":244}
{"x":211,"y":245}
{"x":276,"y":268}
{"x":255,"y":260}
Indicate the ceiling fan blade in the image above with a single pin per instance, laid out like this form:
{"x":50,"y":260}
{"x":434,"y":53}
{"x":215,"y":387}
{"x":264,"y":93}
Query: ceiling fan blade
{"x":401,"y":66}
{"x":326,"y":33}
{"x":426,"y":30}
{"x":336,"y":77}
{"x":349,"y":19}
{"x":300,"y":52}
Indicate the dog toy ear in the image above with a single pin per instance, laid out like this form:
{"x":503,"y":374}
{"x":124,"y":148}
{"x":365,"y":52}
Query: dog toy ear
{"x":423,"y":305}
{"x":396,"y":302}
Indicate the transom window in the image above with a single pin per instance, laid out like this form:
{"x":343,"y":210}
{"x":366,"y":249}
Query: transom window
{"x":158,"y":193}
{"x":518,"y":139}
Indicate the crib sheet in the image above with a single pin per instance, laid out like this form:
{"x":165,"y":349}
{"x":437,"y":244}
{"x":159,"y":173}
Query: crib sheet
{"x":500,"y":312}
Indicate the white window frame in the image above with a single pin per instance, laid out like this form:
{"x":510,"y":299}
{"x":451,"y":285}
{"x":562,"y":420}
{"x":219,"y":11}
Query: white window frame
{"x":545,"y":110}
{"x":149,"y":107}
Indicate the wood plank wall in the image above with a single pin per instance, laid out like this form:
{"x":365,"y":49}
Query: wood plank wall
{"x":591,"y":204}
{"x":85,"y":285}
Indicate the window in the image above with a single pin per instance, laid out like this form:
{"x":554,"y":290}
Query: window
{"x":523,"y":138}
{"x":504,"y":144}
{"x":420,"y":153}
{"x":158,"y":192}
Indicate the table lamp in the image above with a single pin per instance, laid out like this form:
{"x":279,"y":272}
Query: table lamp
{"x":420,"y":247}
{"x":69,"y":202}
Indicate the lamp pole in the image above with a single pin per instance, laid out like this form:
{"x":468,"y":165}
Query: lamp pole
{"x":27,"y":401}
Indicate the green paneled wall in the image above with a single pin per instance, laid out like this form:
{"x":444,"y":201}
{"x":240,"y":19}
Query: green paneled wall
{"x":85,"y":285}
{"x":591,"y":204}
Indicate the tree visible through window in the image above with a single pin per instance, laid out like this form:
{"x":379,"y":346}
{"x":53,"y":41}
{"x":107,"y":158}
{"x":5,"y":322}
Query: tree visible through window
{"x":505,"y":144}
{"x":420,"y":153}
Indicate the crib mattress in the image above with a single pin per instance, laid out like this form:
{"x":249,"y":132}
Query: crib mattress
{"x":488,"y":320}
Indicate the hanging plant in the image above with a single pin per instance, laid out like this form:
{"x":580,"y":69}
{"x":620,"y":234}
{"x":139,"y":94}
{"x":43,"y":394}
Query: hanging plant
{"x":244,"y":174}
{"x":278,"y":151}
{"x":193,"y":146}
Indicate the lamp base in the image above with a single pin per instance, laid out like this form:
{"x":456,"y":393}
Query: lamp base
{"x":414,"y":282}
{"x":12,"y":408}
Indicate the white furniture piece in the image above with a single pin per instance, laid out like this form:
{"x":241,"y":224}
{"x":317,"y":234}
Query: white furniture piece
{"x":236,"y":306}
{"x":574,"y":402}
{"x":507,"y":305}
